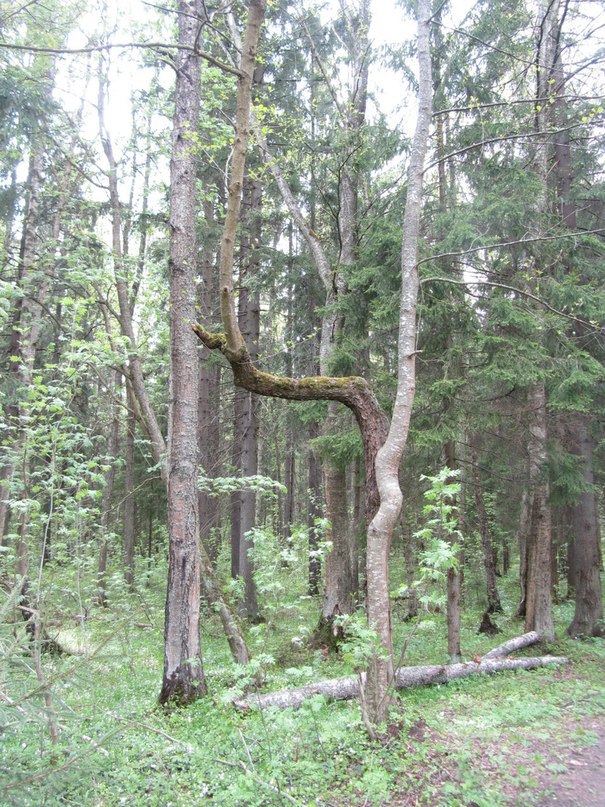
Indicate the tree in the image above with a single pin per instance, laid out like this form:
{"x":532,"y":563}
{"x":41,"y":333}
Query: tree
{"x":382,"y":453}
{"x":183,"y":678}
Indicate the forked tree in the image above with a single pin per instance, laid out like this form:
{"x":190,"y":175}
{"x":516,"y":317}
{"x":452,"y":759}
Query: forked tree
{"x":383,"y":446}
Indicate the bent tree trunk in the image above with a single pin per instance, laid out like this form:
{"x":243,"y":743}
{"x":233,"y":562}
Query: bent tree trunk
{"x":389,"y":457}
{"x":382,"y":470}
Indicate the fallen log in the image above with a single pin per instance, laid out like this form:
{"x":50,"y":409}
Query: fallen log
{"x":345,"y":688}
{"x":517,"y":643}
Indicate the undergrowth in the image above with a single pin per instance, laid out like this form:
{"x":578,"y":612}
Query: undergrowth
{"x":476,"y":741}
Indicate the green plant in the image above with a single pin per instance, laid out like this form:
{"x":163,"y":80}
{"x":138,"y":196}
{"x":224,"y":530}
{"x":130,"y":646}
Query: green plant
{"x":440,"y":536}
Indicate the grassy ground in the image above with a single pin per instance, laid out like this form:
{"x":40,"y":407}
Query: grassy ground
{"x":480,"y":741}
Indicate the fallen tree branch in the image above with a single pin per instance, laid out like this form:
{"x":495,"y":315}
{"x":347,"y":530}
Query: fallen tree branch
{"x":517,"y":643}
{"x":346,"y":688}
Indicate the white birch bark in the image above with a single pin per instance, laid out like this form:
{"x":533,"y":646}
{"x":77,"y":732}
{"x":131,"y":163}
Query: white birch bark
{"x":388,"y":460}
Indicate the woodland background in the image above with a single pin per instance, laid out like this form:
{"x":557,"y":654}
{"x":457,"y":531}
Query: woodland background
{"x":502,"y":475}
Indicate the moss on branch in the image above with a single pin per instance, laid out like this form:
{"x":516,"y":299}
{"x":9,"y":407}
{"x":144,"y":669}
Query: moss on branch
{"x":309,"y":388}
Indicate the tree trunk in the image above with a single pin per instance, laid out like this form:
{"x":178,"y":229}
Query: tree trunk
{"x":338,"y":595}
{"x":314,"y":512}
{"x":208,"y":401}
{"x":106,"y":505}
{"x":129,"y":498}
{"x":183,"y":678}
{"x":246,"y":422}
{"x":405,"y":677}
{"x":523,"y":538}
{"x":538,"y":614}
{"x":290,"y":483}
{"x":588,"y":615}
{"x":487,"y":547}
{"x":388,"y":459}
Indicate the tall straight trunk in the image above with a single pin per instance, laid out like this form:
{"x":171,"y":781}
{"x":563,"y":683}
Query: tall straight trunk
{"x":314,"y":512}
{"x":338,"y":596}
{"x":246,"y":421}
{"x":107,"y":502}
{"x":588,"y":614}
{"x":523,"y":540}
{"x":538,"y":613}
{"x":183,"y":677}
{"x":24,"y":337}
{"x":342,"y":563}
{"x":351,"y":112}
{"x":585,"y":578}
{"x":129,"y":498}
{"x":208,"y":402}
{"x":487,"y":547}
{"x":290,"y":482}
{"x":145,"y":412}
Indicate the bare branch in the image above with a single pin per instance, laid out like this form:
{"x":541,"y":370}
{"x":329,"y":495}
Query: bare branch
{"x":162,"y":46}
{"x":504,"y":244}
{"x":506,"y":287}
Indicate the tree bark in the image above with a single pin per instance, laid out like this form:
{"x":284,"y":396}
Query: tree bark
{"x":246,"y":421}
{"x":518,"y":643}
{"x":183,"y":677}
{"x":129,"y":498}
{"x":145,"y":412}
{"x":523,"y":539}
{"x":588,"y":614}
{"x":538,"y":614}
{"x":487,"y":547}
{"x":404,"y":678}
{"x":106,"y":505}
{"x":388,"y":459}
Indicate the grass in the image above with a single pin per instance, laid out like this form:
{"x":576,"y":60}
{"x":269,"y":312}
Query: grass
{"x":476,"y":741}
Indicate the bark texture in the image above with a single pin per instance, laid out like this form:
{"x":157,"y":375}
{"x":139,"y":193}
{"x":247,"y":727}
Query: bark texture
{"x":380,"y":530}
{"x":246,"y":419}
{"x":404,"y":677}
{"x":183,"y":677}
{"x":588,"y":614}
{"x":487,"y":547}
{"x":538,"y":613}
{"x":208,"y":400}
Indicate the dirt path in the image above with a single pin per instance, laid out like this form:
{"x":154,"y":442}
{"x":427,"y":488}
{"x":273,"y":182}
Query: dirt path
{"x":583,"y":783}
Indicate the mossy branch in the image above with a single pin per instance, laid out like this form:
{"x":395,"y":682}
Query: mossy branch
{"x":352,"y":391}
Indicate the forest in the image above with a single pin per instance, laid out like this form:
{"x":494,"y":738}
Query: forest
{"x":302,"y":355}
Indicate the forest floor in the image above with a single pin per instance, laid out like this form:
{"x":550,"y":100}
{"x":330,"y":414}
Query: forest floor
{"x":582,"y":783}
{"x":567,"y":770}
{"x":522,"y":738}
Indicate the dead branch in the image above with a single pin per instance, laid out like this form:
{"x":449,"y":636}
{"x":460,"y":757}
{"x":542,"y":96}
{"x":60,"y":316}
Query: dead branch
{"x":347,"y":688}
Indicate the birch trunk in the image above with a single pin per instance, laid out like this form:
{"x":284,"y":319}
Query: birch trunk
{"x":380,"y":531}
